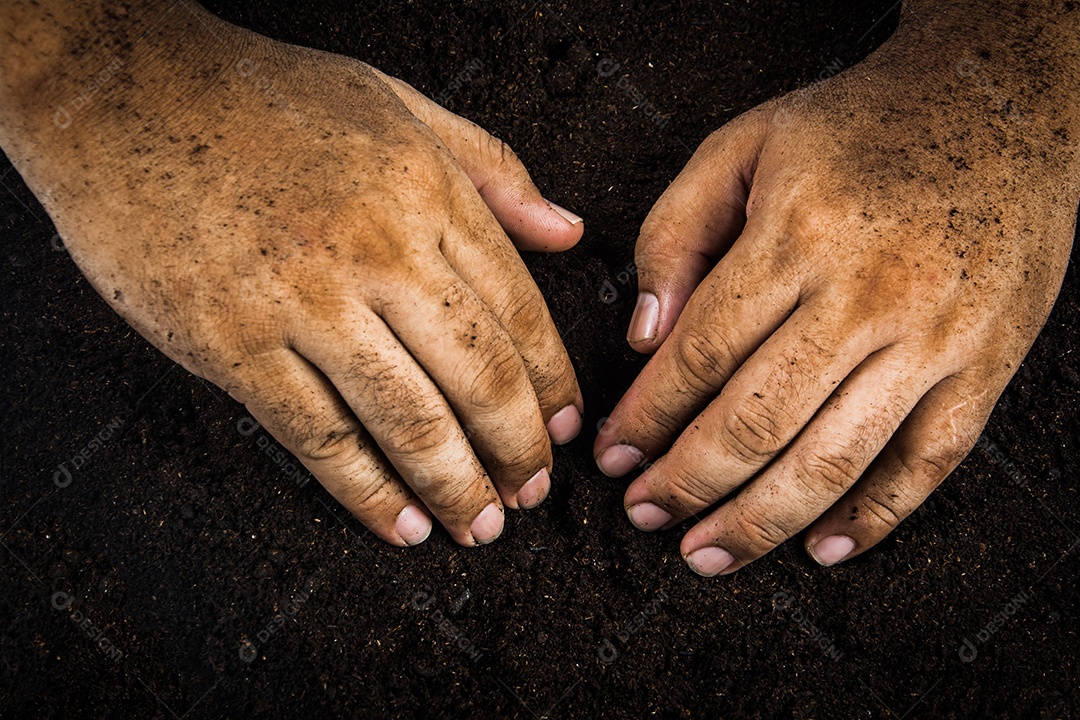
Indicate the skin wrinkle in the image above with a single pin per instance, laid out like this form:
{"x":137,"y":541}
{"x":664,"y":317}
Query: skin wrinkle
{"x":926,"y":202}
{"x":256,"y":209}
{"x":889,"y":93}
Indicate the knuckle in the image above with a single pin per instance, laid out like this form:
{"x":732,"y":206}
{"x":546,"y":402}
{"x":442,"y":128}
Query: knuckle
{"x":420,"y":175}
{"x":453,"y":499}
{"x":653,"y":238}
{"x":421,"y":433}
{"x":663,"y":414}
{"x":703,"y":359}
{"x":809,"y":224}
{"x":751,"y":433}
{"x":251,"y":334}
{"x":947,"y":454}
{"x":714,"y":144}
{"x":936,"y":458}
{"x":367,"y":498}
{"x":524,"y":316}
{"x":829,"y":473}
{"x":554,"y":383}
{"x":526,"y":458}
{"x":690,"y":489}
{"x":758,"y":532}
{"x":495,"y":379}
{"x":336,"y":445}
{"x":522,"y":312}
{"x":882,"y":506}
{"x":499,"y":154}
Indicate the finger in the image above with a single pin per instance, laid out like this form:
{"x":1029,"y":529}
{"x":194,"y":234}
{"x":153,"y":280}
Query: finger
{"x":733,"y":312}
{"x":409,"y":418}
{"x":930,"y":444}
{"x":692,"y":225}
{"x":296,"y":404}
{"x":464,"y":349}
{"x":814,"y":471}
{"x":482,"y":256}
{"x":532,"y":222}
{"x":757,"y":414}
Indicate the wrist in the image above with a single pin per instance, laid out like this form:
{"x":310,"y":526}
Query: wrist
{"x":82,"y":80}
{"x":1022,"y":53}
{"x":52,"y":47}
{"x":66,"y":63}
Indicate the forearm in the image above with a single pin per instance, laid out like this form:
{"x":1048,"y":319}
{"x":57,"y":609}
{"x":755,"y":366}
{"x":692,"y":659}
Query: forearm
{"x":1021,"y":55}
{"x":78,"y":79}
{"x":1047,"y":29}
{"x":52,"y":50}
{"x":976,"y":84}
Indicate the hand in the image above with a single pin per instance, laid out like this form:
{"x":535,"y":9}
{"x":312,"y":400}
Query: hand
{"x":840,"y":284}
{"x":324,"y":243}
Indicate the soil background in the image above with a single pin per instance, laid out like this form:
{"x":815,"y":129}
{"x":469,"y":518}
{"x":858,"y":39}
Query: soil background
{"x":216,"y":585}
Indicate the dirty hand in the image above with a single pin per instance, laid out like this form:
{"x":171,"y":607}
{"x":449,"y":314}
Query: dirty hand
{"x":840,"y":284}
{"x":314,"y":237}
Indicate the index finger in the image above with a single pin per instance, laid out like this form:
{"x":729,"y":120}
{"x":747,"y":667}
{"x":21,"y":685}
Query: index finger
{"x":734,"y":310}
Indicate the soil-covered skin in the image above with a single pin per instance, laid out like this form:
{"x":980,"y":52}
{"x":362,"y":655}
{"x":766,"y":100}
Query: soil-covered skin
{"x":162,"y":558}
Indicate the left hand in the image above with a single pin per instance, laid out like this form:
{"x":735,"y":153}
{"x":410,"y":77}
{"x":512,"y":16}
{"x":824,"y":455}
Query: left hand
{"x":838,"y":287}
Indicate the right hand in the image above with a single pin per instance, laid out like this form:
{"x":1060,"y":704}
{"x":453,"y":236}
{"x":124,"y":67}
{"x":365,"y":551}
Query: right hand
{"x":324,"y":243}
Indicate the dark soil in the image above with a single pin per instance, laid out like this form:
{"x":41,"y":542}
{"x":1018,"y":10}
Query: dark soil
{"x":215,"y":585}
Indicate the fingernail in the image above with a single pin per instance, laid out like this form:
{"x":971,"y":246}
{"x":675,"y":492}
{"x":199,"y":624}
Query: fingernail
{"x":646,"y":318}
{"x":710,"y":561}
{"x":413,"y":525}
{"x":564,"y":425}
{"x":618,"y":460}
{"x":533,"y":492}
{"x":648,"y":517}
{"x":832,"y":549}
{"x":567,"y":215}
{"x":488,"y":525}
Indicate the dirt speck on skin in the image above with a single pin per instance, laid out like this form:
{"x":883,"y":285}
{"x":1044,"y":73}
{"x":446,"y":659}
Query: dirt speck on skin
{"x":162,"y":556}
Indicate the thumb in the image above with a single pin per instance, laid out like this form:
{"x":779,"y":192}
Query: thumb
{"x":532,"y":222}
{"x":692,"y":225}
